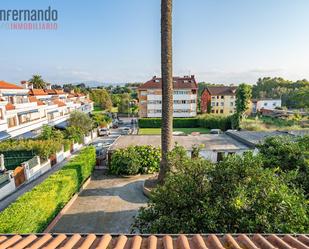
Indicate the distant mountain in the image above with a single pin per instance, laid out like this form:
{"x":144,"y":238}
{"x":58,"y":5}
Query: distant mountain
{"x":98,"y":83}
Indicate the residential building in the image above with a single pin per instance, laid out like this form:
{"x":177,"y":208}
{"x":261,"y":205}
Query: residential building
{"x":219,"y":100}
{"x":268,"y":104}
{"x":184,"y":97}
{"x":24,"y":110}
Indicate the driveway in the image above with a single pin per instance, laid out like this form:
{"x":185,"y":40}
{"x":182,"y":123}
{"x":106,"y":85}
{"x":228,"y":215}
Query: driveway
{"x":107,"y":205}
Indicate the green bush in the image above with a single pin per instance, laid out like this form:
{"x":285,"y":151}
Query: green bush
{"x":42,"y":148}
{"x":236,"y":195}
{"x":34,"y":210}
{"x":208,"y":121}
{"x":134,"y":160}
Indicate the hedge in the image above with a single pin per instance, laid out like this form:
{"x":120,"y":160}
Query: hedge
{"x":33,"y":211}
{"x":208,"y":121}
{"x":134,"y":160}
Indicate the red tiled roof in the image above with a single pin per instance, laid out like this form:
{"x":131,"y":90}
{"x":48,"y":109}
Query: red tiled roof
{"x":34,"y":99}
{"x":99,"y":241}
{"x":6,"y":85}
{"x":59,"y":103}
{"x":37,"y":92}
{"x":221,"y":90}
{"x":185,"y":82}
{"x":9,"y":107}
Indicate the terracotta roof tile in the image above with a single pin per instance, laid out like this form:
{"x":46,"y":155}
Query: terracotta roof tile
{"x":221,"y":90}
{"x":209,"y":241}
{"x":6,"y":85}
{"x":59,"y":103}
{"x":34,"y":99}
{"x":9,"y":107}
{"x":185,"y":82}
{"x":37,"y":92}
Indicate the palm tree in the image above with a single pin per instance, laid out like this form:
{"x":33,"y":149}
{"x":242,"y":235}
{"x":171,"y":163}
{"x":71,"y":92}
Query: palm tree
{"x":37,"y":81}
{"x":167,"y":85}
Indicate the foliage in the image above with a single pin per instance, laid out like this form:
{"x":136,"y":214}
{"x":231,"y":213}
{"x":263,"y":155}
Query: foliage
{"x":208,"y":121}
{"x":102,"y":98}
{"x":243,"y":98}
{"x":124,"y":105}
{"x":134,"y":160}
{"x":49,"y":132}
{"x":81,"y":122}
{"x":101,"y":119}
{"x":74,"y":134}
{"x":293,"y":94}
{"x":288,"y":156}
{"x":34,"y":210}
{"x":236,"y":195}
{"x":42,"y":148}
{"x":37,"y":82}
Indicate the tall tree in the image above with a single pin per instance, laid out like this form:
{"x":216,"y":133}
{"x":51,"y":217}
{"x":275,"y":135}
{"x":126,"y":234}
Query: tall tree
{"x":243,"y":98}
{"x":167,"y":85}
{"x":37,"y":82}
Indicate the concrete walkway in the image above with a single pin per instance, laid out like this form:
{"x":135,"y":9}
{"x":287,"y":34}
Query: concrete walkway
{"x":107,"y":205}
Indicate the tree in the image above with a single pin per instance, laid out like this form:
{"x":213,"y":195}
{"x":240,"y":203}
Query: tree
{"x":101,"y":98}
{"x":124,"y":105}
{"x":167,"y":85}
{"x":37,"y":82}
{"x":81,"y":122}
{"x":236,"y":195}
{"x":243,"y":98}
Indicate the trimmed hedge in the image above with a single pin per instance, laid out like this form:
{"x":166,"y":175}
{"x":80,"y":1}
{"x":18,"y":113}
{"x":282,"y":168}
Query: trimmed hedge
{"x":33,"y":211}
{"x":208,"y":121}
{"x":135,"y":159}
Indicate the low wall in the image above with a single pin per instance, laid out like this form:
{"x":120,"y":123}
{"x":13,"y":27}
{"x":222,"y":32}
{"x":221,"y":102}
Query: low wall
{"x":60,"y":156}
{"x":7,"y":187}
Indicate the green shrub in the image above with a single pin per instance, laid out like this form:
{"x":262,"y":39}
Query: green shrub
{"x":34,"y":210}
{"x":208,"y":121}
{"x":134,"y":160}
{"x":236,"y":195}
{"x":42,"y":148}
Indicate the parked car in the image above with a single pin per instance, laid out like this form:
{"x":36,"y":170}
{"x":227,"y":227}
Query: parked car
{"x":120,"y":121}
{"x":104,"y":132}
{"x":115,"y":125}
{"x":126,"y":131}
{"x":215,"y":131}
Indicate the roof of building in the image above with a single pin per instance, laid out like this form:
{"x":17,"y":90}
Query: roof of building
{"x":37,"y":92}
{"x":105,"y":241}
{"x":34,"y":99}
{"x":219,"y":142}
{"x":186,"y":82}
{"x":59,"y":103}
{"x":253,"y":138}
{"x":6,"y":85}
{"x":221,"y":90}
{"x":9,"y":107}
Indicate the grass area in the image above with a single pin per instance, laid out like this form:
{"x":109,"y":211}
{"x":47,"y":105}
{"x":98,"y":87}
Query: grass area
{"x":97,"y":109}
{"x":157,"y":131}
{"x":269,"y":123}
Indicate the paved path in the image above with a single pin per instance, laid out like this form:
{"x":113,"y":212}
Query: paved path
{"x":107,"y":205}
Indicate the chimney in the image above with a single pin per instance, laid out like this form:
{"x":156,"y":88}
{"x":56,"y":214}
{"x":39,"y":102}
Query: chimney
{"x":24,"y":84}
{"x":48,"y":86}
{"x":192,"y":76}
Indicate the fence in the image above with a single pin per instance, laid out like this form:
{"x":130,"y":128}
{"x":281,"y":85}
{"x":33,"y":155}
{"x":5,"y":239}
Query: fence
{"x":13,"y":159}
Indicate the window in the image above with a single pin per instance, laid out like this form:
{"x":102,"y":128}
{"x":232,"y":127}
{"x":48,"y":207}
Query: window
{"x":265,"y":104}
{"x":12,"y":122}
{"x":231,"y":111}
{"x":213,"y":97}
{"x":212,"y":111}
{"x":221,"y":111}
{"x":213,"y":103}
{"x":217,"y":97}
{"x":220,"y":156}
{"x":222,"y":97}
{"x":232,"y":103}
{"x":217,"y":104}
{"x":222,"y":103}
{"x":217,"y":111}
{"x":274,"y":104}
{"x":143,"y":93}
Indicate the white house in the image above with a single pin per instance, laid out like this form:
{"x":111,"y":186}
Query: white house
{"x":269,"y":104}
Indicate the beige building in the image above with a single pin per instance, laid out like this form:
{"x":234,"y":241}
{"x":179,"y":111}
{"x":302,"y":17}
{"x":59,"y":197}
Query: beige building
{"x":184,"y":97}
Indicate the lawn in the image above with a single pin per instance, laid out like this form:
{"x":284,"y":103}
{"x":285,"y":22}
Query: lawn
{"x":157,"y":131}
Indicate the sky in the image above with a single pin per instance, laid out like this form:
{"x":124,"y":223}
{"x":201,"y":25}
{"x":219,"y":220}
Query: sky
{"x":218,"y":41}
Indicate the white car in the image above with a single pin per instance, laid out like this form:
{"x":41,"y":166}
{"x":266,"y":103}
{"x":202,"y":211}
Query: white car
{"x":104,"y":132}
{"x":126,"y":131}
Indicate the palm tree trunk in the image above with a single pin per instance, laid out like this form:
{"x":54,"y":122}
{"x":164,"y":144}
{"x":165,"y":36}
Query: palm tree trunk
{"x":167,"y":85}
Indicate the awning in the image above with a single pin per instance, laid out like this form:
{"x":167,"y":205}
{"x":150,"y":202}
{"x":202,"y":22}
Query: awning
{"x":4,"y":135}
{"x":52,"y":111}
{"x":29,"y":134}
{"x":62,"y":126}
{"x":27,"y":112}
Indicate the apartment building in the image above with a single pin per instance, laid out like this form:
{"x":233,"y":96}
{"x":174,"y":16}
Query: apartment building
{"x":184,"y":97}
{"x":24,"y":110}
{"x":219,"y":100}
